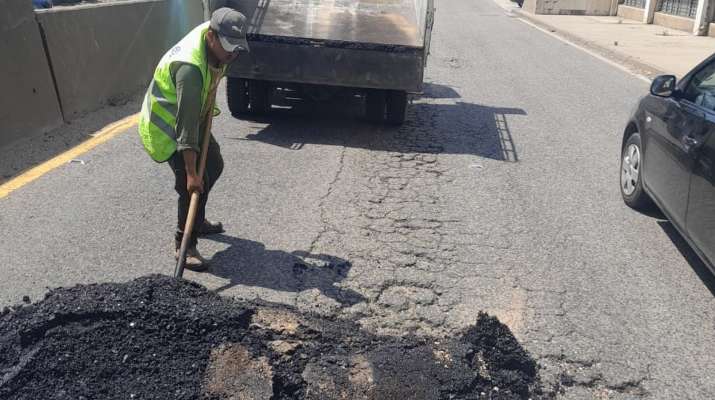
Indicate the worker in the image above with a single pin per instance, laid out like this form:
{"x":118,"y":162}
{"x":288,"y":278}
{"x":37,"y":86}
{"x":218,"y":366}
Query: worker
{"x":173,"y":116}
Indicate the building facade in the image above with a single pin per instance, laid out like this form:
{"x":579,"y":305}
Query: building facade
{"x":694,"y":16}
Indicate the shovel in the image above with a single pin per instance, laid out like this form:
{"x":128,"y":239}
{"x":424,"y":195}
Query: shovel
{"x":194,"y":204}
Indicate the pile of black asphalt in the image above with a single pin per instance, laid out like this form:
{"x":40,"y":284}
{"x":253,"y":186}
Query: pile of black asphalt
{"x":160,"y":338}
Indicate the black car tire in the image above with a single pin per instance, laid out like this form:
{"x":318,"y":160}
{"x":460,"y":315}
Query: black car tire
{"x":637,"y":198}
{"x":237,"y":96}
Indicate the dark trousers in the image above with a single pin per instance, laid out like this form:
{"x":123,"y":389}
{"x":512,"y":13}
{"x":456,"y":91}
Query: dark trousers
{"x":214,"y":167}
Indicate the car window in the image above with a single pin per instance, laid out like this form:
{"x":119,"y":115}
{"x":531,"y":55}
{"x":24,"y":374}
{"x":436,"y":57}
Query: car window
{"x":701,"y":88}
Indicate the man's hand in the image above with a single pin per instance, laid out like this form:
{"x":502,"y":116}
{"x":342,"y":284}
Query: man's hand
{"x":194,"y":182}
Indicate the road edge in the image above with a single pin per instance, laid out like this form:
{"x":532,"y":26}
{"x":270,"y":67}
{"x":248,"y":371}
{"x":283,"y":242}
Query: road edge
{"x":632,"y":65}
{"x":99,"y":137}
{"x":635,"y":65}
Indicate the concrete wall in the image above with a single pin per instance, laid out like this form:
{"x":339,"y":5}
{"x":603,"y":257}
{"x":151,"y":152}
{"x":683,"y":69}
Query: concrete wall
{"x":28,"y":103}
{"x":711,"y":31}
{"x":598,"y":7}
{"x":569,"y":7}
{"x":103,"y":53}
{"x":633,"y":13}
{"x":529,"y":6}
{"x":614,"y":7}
{"x":674,"y":22}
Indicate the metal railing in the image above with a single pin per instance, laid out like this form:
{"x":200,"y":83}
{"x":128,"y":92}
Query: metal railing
{"x":681,"y":8}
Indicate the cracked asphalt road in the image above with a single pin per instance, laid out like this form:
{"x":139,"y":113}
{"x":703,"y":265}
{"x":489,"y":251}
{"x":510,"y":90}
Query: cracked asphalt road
{"x":498,"y":194}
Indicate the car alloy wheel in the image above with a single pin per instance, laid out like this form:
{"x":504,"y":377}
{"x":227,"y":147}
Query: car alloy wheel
{"x":630,"y":169}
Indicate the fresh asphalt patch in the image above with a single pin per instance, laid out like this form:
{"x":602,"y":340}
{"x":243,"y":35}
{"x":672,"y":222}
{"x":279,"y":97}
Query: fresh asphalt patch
{"x":159,"y":338}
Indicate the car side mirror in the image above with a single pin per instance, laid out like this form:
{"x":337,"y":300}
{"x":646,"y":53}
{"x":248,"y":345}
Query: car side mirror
{"x":663,"y":86}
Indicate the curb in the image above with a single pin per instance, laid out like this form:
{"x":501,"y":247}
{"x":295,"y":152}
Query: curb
{"x":632,"y":64}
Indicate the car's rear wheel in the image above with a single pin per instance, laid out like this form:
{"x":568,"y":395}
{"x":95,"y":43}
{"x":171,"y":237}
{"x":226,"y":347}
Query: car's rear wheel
{"x":632,"y":173}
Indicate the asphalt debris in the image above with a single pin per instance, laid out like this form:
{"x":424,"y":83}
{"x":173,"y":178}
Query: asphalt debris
{"x":159,"y":338}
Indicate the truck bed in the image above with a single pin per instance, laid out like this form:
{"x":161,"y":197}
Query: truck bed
{"x":370,"y":44}
{"x":397,"y":23}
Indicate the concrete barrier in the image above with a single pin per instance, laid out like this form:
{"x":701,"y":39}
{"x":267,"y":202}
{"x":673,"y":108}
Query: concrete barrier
{"x":28,"y":104}
{"x":104,"y":53}
{"x":529,"y":6}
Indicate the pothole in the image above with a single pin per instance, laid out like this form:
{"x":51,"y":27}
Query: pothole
{"x":159,"y":338}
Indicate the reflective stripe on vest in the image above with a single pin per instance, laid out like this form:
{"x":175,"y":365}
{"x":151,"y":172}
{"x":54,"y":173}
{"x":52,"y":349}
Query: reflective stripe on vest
{"x":157,"y":120}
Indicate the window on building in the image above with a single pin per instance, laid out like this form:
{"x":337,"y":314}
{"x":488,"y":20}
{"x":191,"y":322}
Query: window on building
{"x":635,"y":3}
{"x":681,"y":8}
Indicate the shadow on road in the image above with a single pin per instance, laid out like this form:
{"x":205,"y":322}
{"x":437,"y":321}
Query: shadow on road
{"x":703,"y":272}
{"x":456,"y":128}
{"x":437,"y":91}
{"x":249,"y":263}
{"x":652,"y":211}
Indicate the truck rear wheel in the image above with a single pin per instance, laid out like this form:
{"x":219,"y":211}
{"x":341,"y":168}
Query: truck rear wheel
{"x":375,"y":105}
{"x":237,"y":96}
{"x":259,"y":94}
{"x":396,"y":107}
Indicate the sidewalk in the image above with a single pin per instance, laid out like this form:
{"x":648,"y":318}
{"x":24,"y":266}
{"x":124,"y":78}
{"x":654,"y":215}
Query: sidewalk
{"x":645,"y":49}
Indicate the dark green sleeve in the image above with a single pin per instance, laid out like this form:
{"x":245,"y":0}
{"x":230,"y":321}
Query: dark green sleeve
{"x":189,"y":85}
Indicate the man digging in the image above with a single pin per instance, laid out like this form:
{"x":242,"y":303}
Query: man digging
{"x":173,"y":116}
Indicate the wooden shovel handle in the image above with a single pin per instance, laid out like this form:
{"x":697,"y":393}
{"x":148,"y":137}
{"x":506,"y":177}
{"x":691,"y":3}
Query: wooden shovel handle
{"x":194,"y":203}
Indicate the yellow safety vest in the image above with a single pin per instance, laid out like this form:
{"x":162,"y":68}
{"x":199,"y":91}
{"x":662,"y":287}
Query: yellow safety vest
{"x":157,"y":120}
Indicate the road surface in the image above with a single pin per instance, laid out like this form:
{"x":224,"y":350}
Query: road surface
{"x":500,"y":193}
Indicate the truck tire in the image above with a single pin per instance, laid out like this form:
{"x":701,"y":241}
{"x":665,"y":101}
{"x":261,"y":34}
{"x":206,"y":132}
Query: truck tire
{"x":237,"y":96}
{"x":259,"y":94}
{"x":375,"y":105}
{"x":396,"y":107}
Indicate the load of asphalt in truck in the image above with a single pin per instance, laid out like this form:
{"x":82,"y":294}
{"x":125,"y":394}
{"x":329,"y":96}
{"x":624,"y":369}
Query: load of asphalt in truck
{"x":160,"y":338}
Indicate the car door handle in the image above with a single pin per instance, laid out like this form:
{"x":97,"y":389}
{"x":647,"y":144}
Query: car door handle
{"x":690,"y":143}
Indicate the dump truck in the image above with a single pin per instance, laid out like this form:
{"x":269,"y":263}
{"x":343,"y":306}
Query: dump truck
{"x":315,"y":49}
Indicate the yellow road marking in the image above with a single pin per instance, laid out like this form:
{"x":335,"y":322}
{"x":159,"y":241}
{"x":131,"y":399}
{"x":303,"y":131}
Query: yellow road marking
{"x":97,"y":138}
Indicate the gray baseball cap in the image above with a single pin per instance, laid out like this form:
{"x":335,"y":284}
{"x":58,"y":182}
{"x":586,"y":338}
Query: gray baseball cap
{"x":231,"y":27}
